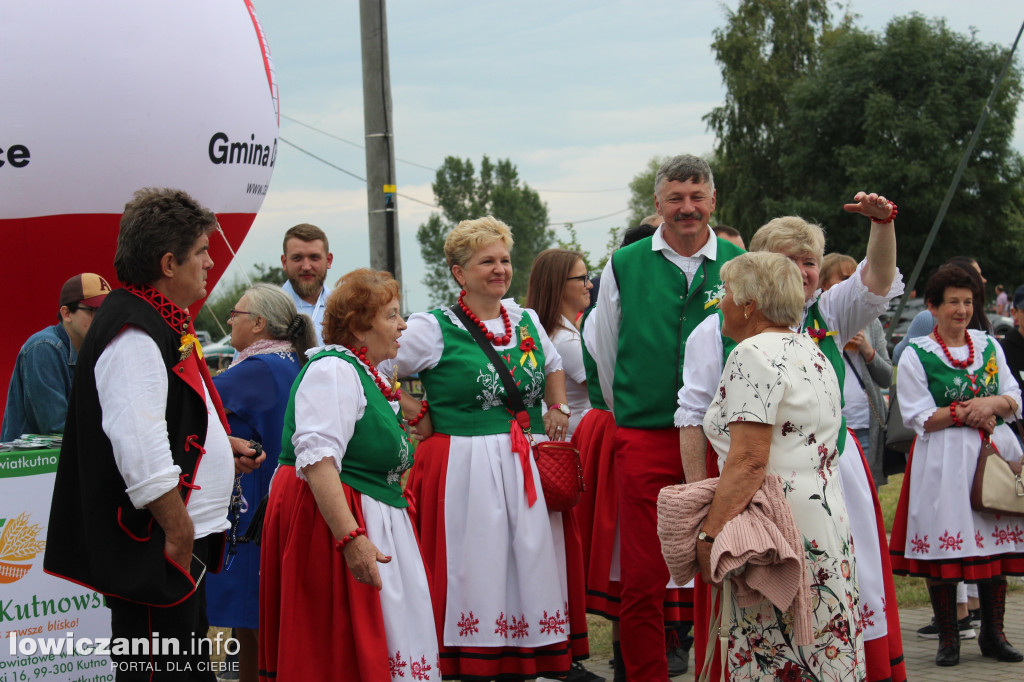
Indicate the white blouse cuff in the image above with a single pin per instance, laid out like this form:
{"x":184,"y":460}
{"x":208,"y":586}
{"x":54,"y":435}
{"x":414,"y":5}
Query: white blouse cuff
{"x":312,"y":456}
{"x":871,"y":299}
{"x":684,"y":417}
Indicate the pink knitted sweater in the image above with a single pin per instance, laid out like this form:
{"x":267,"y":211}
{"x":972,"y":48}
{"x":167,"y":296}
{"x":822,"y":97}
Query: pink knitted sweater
{"x":763,"y":539}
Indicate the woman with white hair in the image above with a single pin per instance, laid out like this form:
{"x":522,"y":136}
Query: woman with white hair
{"x":777,"y":413}
{"x":830,"y":319}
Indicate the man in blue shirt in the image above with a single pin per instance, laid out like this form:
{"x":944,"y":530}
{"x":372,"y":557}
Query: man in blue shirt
{"x":306,"y":260}
{"x":37,"y":400}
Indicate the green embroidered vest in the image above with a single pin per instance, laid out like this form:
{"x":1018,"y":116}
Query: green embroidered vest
{"x":466,"y":395}
{"x":948,"y":384}
{"x":593,"y":382}
{"x":658,"y":312}
{"x":378,"y":453}
{"x":834,"y":354}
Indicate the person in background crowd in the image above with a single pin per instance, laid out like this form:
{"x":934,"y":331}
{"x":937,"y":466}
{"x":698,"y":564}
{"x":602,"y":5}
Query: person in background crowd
{"x":1002,"y":301}
{"x":497,"y":561}
{"x":954,"y":388}
{"x":37,"y":399}
{"x":559,"y":292}
{"x":144,"y":477}
{"x":654,"y":293}
{"x":729,"y":234}
{"x":1013,"y":343}
{"x":306,"y":259}
{"x":271,"y":339}
{"x":870,"y":370}
{"x":343,"y":589}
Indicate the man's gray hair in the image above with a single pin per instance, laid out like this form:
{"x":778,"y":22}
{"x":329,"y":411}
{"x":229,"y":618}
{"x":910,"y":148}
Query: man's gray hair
{"x":682,"y":168}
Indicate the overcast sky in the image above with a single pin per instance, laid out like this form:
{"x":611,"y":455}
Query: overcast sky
{"x":579,"y":95}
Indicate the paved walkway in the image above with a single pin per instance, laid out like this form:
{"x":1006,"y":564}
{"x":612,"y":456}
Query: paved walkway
{"x":920,"y":653}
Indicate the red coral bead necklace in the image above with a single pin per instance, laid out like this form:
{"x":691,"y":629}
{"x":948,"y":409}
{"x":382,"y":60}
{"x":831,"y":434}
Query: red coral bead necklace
{"x":496,"y":340}
{"x":381,"y":384}
{"x":959,"y":364}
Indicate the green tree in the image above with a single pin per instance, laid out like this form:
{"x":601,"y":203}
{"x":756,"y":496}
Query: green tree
{"x":893,"y":113}
{"x":496,"y":191}
{"x":641,"y":192}
{"x":765,"y":48}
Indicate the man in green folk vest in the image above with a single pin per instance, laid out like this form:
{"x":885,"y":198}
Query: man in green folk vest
{"x":652,"y":296}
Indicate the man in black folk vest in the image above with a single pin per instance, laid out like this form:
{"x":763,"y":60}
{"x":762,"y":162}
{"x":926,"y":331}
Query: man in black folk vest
{"x":145,"y":472}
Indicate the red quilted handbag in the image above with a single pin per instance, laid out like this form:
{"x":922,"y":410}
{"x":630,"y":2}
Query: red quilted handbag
{"x":561,"y":474}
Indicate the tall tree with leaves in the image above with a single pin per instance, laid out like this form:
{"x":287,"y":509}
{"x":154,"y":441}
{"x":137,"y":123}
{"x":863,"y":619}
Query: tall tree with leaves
{"x":463,"y":195}
{"x":893,"y":113}
{"x":765,"y":48}
{"x":641,"y":191}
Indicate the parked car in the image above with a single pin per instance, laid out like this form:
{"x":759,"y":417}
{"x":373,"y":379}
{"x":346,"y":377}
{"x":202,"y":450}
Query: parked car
{"x":910,"y":311}
{"x":204,"y":337}
{"x":218,"y":355}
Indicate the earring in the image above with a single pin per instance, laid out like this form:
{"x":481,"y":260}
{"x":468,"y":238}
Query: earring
{"x":746,"y":315}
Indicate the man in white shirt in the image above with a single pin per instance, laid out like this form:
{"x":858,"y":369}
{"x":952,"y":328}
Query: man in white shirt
{"x":306,"y":260}
{"x":145,"y":473}
{"x":653,"y":293}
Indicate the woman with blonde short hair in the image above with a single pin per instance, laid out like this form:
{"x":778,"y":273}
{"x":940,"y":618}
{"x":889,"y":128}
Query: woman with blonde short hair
{"x":496,"y":556}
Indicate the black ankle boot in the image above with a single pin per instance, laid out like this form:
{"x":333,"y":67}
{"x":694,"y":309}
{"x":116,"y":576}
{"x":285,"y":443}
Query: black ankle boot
{"x":991,"y":638}
{"x":618,"y":665}
{"x":943,"y":598}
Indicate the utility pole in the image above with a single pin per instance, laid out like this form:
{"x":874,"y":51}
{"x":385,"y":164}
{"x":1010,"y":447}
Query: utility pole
{"x":380,"y":151}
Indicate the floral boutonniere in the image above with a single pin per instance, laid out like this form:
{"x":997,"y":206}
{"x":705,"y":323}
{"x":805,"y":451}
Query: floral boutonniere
{"x":991,"y":370}
{"x":188,"y":342}
{"x":527,"y":345}
{"x":818,"y":334}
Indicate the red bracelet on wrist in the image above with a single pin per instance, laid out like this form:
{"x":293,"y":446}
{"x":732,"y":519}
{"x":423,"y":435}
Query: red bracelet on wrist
{"x":881,"y":221}
{"x":952,"y":414}
{"x":340,"y":545}
{"x":423,"y":412}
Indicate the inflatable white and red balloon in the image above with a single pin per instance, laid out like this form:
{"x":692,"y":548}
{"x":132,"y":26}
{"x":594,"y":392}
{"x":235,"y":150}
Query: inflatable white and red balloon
{"x":102,"y":98}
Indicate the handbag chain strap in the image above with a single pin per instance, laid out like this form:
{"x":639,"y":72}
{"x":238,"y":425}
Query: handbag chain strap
{"x":512,"y":392}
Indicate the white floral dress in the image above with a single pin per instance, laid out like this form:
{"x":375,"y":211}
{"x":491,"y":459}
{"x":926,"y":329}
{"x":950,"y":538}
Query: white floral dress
{"x":785,"y":381}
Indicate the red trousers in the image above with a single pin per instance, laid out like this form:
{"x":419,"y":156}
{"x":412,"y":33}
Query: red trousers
{"x":646,"y":460}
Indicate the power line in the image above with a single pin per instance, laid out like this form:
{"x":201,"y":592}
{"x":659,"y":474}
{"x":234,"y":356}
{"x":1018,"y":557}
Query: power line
{"x":586,"y":220}
{"x":429,"y":168}
{"x":354,"y":144}
{"x":427,"y":203}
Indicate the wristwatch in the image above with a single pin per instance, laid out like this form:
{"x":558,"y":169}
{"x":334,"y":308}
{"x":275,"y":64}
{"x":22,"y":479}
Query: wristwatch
{"x":706,"y":538}
{"x":564,"y":409}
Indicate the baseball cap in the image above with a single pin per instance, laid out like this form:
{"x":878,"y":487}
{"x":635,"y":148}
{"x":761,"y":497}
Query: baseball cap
{"x":1018,"y":298}
{"x":87,"y":288}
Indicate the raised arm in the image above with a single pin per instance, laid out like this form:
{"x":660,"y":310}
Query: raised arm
{"x":881,"y":251}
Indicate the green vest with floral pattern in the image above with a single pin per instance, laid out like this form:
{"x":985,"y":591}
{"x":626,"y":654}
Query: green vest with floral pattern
{"x":813,"y":319}
{"x":948,"y":384}
{"x":378,"y":452}
{"x":658,"y":313}
{"x":466,"y":395}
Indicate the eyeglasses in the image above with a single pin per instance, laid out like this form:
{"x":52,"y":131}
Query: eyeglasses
{"x":85,"y":309}
{"x":583,"y":278}
{"x":232,"y":314}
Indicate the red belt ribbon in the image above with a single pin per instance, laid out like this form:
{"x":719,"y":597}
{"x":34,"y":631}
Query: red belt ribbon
{"x":522,"y":446}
